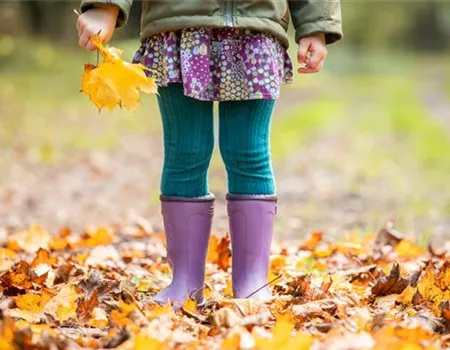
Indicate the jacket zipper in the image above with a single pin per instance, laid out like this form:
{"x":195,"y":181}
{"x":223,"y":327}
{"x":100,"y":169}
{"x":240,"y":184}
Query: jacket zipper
{"x":228,"y":15}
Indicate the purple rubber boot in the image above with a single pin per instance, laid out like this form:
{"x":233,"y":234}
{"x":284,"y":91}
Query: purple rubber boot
{"x":251,"y":226}
{"x":187,"y":223}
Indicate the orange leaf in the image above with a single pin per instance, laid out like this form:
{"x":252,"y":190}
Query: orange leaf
{"x":43,"y":257}
{"x":120,"y":318}
{"x":19,"y":277}
{"x":313,"y":240}
{"x":219,"y":251}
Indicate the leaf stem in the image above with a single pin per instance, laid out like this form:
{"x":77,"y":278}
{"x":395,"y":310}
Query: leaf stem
{"x":264,"y":286}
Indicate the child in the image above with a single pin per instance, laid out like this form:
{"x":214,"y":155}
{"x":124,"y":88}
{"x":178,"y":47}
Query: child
{"x":233,"y":52}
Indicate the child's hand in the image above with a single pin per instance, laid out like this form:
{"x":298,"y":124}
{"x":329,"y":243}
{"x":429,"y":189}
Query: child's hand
{"x":312,"y":52}
{"x":99,"y":20}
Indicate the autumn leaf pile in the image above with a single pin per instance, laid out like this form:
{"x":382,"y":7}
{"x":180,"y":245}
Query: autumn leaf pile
{"x":115,"y":82}
{"x":91,"y":290}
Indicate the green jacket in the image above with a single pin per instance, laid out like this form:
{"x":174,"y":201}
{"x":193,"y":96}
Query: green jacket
{"x":270,"y":16}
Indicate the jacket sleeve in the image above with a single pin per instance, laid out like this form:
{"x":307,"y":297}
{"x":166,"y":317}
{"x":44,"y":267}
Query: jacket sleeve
{"x":123,"y":5}
{"x":313,"y":16}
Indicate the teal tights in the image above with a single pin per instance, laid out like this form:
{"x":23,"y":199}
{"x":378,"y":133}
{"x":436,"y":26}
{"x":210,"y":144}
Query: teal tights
{"x":188,"y":125}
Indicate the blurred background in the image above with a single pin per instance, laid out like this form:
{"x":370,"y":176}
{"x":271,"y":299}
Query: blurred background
{"x":365,"y":141}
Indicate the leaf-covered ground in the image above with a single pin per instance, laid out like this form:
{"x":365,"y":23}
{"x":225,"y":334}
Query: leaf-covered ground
{"x":91,"y":290}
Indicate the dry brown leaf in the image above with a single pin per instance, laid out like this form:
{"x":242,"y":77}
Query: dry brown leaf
{"x":315,"y":308}
{"x":225,"y":317}
{"x":245,"y":307}
{"x":386,"y":240}
{"x":64,"y":305}
{"x":394,"y":283}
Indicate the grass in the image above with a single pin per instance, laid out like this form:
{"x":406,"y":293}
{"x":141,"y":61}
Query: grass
{"x":300,"y":124}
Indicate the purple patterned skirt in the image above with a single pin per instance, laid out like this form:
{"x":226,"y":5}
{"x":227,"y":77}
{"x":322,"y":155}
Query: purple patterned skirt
{"x":218,"y":64}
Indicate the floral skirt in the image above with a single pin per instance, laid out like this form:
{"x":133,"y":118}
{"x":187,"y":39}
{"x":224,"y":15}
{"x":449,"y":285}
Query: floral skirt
{"x":218,"y":64}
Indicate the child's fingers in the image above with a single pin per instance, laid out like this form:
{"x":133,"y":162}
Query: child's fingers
{"x":85,"y":40}
{"x":317,"y":57}
{"x":90,"y":46}
{"x":311,"y":70}
{"x":78,"y":26}
{"x":303,"y":49}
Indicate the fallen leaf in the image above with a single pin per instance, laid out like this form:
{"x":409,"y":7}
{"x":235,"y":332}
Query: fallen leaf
{"x":32,"y":239}
{"x":87,"y":305}
{"x":282,"y":338}
{"x":394,"y":283}
{"x":20,"y":276}
{"x":144,"y":342}
{"x":29,"y":302}
{"x":245,"y":307}
{"x":231,"y":343}
{"x":43,"y":257}
{"x":407,"y":249}
{"x":312,"y":241}
{"x":225,"y":317}
{"x":64,"y":305}
{"x":386,"y":240}
{"x":219,"y":252}
{"x":99,"y":318}
{"x":121,"y":317}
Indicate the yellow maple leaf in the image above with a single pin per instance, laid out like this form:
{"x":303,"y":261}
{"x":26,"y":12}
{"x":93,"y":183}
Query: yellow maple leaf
{"x":409,"y":250}
{"x":121,"y":317}
{"x":190,"y":305}
{"x":29,"y":302}
{"x":115,"y":82}
{"x":144,"y":342}
{"x":159,"y":310}
{"x":407,"y":295}
{"x":229,"y":288}
{"x":283,"y":337}
{"x":231,"y":343}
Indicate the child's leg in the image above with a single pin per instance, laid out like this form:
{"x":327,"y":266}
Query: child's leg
{"x":245,"y":149}
{"x":186,"y":205}
{"x":245,"y":146}
{"x":188,"y":127}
